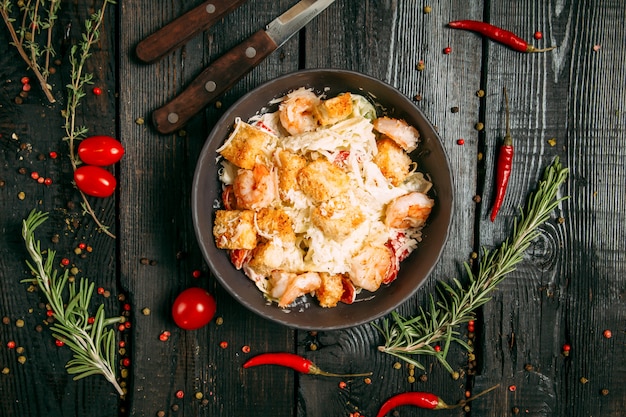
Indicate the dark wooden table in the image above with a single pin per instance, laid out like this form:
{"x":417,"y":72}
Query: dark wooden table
{"x":569,"y":288}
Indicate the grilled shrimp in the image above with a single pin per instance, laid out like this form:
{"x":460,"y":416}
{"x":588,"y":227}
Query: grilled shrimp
{"x":372,"y":266}
{"x":405,"y":135}
{"x":255,"y":188}
{"x":408,"y":211}
{"x":287,"y":286}
{"x":297,"y":111}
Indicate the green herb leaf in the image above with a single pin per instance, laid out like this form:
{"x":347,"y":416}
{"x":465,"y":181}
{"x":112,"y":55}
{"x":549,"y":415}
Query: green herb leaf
{"x":408,"y":337}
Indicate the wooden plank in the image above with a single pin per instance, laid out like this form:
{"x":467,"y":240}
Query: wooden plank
{"x":567,"y":289}
{"x":28,"y":133}
{"x":387,"y":40}
{"x":156,"y":224}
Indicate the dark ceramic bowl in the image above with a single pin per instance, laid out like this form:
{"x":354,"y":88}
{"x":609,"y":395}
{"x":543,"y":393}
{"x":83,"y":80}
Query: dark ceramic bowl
{"x":432,"y":160}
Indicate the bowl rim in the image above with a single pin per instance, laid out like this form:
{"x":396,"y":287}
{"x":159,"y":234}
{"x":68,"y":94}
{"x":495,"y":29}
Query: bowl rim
{"x":228,"y":118}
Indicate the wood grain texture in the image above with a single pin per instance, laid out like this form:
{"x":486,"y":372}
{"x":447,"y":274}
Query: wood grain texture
{"x":157,"y":222}
{"x":388,"y":41}
{"x":568,"y":289}
{"x":570,"y":282}
{"x":28,"y":133}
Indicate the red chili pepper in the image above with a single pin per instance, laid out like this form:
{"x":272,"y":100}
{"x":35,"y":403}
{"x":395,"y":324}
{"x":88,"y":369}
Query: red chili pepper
{"x":504,"y":164}
{"x":497,"y":34}
{"x":423,"y":400}
{"x":295,"y":362}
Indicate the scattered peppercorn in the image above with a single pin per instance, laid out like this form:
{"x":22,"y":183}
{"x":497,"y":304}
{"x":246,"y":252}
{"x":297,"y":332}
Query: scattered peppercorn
{"x":512,"y":388}
{"x":219,"y":321}
{"x":196,"y":273}
{"x":604,"y":391}
{"x":447,"y":50}
{"x":420,"y":66}
{"x":479,"y":126}
{"x":397,"y":365}
{"x":477,"y":199}
{"x":198,"y":395}
{"x":21,"y":359}
{"x":607,"y":334}
{"x":59,"y":343}
{"x":11,"y":344}
{"x":583,"y":380}
{"x":460,"y":142}
{"x":480,"y":93}
{"x":96,"y":91}
{"x":417,"y":97}
{"x":529,"y":367}
{"x":245,"y":349}
{"x":454,"y":109}
{"x":180,"y":394}
{"x":538,"y":35}
{"x":342,"y":385}
{"x":223,"y":344}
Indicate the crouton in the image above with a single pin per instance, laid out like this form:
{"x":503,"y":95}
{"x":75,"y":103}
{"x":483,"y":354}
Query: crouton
{"x":320,"y":180}
{"x":234,"y":229}
{"x":334,"y":110}
{"x":275,"y":224}
{"x":289,"y":165}
{"x":337,"y":217}
{"x":246,"y":146}
{"x":330,"y":291}
{"x":394,"y":163}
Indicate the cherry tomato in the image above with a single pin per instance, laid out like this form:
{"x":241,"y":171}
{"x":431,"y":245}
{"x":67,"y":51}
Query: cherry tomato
{"x":100,"y":150}
{"x":95,"y":181}
{"x":193,"y":308}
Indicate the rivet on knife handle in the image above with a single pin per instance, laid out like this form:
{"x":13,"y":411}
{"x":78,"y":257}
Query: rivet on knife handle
{"x":213,"y":81}
{"x":180,"y":30}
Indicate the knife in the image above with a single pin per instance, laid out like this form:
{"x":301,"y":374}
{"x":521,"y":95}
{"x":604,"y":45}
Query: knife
{"x":234,"y":65}
{"x":180,"y":30}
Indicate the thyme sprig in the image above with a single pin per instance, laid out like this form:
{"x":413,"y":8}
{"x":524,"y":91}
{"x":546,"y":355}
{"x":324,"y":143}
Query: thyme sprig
{"x":76,"y":91}
{"x":438,"y":325}
{"x":93,"y":345}
{"x":33,"y":37}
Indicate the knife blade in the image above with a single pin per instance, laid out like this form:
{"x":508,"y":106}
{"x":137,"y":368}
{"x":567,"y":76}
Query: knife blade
{"x":179,"y":31}
{"x":234,"y":65}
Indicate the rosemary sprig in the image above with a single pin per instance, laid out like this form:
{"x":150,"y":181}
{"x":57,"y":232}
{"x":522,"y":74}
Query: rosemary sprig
{"x":76,"y":91}
{"x":93,"y":345}
{"x":438,"y":325}
{"x":25,"y":37}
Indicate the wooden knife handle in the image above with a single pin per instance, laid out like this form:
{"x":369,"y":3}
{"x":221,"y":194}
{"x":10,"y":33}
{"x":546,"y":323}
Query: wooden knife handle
{"x":179,"y":31}
{"x":214,"y":81}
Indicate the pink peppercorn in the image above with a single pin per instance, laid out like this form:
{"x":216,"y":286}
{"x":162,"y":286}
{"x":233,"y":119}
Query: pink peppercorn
{"x":180,"y":394}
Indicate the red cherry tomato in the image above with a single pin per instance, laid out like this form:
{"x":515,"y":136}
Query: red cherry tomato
{"x":193,"y":308}
{"x":95,"y":181}
{"x":100,"y":150}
